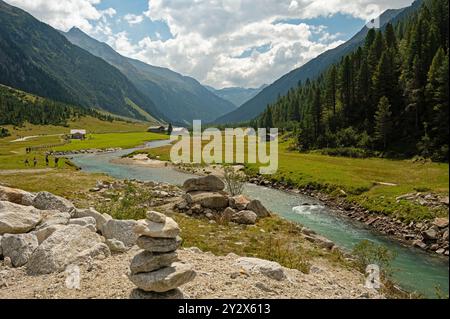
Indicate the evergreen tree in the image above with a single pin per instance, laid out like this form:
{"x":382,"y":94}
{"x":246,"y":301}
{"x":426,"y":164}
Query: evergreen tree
{"x":345,"y":88}
{"x":437,"y":91}
{"x":317,"y":113}
{"x":383,"y":124}
{"x":393,"y":90}
{"x":331,"y":94}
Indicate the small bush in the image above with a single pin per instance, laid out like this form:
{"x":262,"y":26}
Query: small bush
{"x":279,"y":251}
{"x":368,"y":253}
{"x":129,"y":205}
{"x":348,"y":152}
{"x":234,"y":181}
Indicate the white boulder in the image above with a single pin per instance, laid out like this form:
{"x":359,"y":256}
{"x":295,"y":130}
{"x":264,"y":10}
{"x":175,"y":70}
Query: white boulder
{"x":84,"y":221}
{"x":72,"y":244}
{"x":122,"y":230}
{"x":17,"y":219}
{"x":269,"y":269}
{"x":16,"y":196}
{"x":48,"y":201}
{"x":100,"y":219}
{"x":116,"y":246}
{"x":19,"y":247}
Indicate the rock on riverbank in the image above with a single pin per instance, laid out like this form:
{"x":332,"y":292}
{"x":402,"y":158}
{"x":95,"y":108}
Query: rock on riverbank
{"x":430,"y":235}
{"x":46,"y":233}
{"x":205,"y":196}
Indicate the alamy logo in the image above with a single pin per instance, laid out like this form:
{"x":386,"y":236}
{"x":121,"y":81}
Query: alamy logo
{"x":374,"y":12}
{"x":230,"y":146}
{"x":373,"y":277}
{"x":73,"y":277}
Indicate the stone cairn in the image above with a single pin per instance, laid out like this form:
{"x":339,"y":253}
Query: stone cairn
{"x":157,"y":271}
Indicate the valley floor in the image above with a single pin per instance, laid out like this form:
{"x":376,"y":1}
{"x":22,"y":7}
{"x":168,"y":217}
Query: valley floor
{"x":329,"y":275}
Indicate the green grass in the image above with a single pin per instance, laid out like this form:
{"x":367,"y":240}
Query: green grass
{"x":102,"y":134}
{"x":92,"y":125}
{"x":112,"y":140}
{"x":272,"y":238}
{"x":71,"y":184}
{"x":359,"y":179}
{"x":145,"y":114}
{"x":161,"y":153}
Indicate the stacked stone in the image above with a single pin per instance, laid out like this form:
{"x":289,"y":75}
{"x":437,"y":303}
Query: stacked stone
{"x":157,"y":271}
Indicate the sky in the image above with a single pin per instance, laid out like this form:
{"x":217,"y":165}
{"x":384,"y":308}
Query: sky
{"x":221,"y":43}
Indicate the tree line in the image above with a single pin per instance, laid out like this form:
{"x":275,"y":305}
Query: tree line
{"x":17,"y":108}
{"x":389,"y":96}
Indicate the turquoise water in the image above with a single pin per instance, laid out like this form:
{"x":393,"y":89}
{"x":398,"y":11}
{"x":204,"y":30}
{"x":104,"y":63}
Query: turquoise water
{"x":414,"y":269}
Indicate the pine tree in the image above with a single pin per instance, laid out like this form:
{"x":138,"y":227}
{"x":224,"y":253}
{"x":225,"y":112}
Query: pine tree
{"x":375,"y":51}
{"x":383,"y":124}
{"x":345,"y":87}
{"x":393,"y":89}
{"x":390,"y":38}
{"x":386,"y":81}
{"x":437,"y":92}
{"x":331,"y":94}
{"x":317,"y":113}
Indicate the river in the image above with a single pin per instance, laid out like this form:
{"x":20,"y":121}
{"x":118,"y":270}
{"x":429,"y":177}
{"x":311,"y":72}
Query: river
{"x":414,"y":269}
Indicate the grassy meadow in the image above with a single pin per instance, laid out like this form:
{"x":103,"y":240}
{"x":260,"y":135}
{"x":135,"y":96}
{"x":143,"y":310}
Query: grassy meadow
{"x":101,"y":135}
{"x":373,"y":183}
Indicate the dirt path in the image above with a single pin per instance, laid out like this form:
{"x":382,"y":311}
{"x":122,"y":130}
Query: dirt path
{"x":25,"y":171}
{"x":26,"y":138}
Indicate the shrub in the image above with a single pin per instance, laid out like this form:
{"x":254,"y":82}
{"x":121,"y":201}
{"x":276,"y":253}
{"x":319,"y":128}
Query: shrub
{"x":132,"y":204}
{"x":348,"y":152}
{"x":368,"y":253}
{"x":234,"y":181}
{"x":288,"y":256}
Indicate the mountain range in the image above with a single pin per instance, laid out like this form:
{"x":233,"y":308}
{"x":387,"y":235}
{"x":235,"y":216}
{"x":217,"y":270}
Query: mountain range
{"x":37,"y":59}
{"x":236,"y":95}
{"x":310,"y":70}
{"x":180,"y":99}
{"x":76,"y":69}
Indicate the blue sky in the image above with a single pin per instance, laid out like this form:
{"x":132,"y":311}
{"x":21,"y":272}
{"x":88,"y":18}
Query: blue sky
{"x":344,"y":25}
{"x":221,"y":43}
{"x":136,"y":31}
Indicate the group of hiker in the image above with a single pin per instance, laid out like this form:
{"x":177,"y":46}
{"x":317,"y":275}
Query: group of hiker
{"x":47,"y":161}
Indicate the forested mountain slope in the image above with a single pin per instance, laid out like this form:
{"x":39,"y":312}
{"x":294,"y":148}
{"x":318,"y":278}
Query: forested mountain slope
{"x":391,"y":95}
{"x":310,"y":70}
{"x":36,"y":58}
{"x":179,"y":98}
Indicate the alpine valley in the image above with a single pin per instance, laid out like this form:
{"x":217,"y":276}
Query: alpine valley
{"x":94,"y":205}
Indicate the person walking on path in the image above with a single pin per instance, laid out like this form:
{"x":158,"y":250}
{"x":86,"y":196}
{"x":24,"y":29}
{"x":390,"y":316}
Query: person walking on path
{"x":46,"y":160}
{"x":56,"y":161}
{"x":35,"y":162}
{"x":27,"y":162}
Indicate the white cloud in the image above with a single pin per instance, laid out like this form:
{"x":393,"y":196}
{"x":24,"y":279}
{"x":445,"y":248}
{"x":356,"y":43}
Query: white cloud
{"x":209,"y":36}
{"x":133,"y":19}
{"x":64,"y":14}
